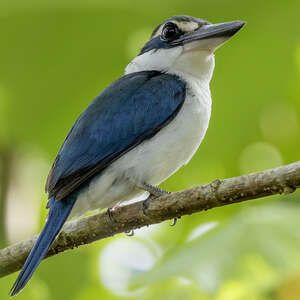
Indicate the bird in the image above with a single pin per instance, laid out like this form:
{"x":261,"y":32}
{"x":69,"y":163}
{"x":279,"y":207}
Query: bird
{"x":138,"y":131}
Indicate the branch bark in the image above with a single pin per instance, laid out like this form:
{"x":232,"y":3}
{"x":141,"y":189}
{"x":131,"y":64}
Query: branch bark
{"x":282,"y":180}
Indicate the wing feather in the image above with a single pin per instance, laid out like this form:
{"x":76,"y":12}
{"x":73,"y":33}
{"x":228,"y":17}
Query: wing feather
{"x":129,"y":111}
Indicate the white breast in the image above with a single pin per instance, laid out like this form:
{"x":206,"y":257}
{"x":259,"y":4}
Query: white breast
{"x":155,"y":159}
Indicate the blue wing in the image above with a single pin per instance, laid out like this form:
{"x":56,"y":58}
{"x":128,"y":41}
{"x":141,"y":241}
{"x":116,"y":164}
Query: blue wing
{"x":129,"y":111}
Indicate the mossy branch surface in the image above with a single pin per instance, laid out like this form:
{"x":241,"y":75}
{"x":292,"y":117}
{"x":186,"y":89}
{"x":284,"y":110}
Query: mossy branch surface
{"x":282,"y":180}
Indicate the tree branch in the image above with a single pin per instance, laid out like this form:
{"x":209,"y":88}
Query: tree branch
{"x":282,"y":180}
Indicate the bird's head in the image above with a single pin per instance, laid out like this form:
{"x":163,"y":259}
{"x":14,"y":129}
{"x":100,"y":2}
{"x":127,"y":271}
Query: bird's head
{"x":184,"y":45}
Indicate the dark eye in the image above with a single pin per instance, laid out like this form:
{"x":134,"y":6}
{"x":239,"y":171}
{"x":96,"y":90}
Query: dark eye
{"x":170,"y":32}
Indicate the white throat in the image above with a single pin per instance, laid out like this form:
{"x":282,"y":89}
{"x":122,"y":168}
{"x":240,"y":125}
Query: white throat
{"x":179,"y":61}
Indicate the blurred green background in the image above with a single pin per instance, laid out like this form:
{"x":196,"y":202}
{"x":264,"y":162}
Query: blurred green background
{"x":56,"y":56}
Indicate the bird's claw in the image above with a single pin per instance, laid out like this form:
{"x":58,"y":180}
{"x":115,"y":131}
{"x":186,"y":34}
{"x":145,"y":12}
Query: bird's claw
{"x":110,"y":214}
{"x":174,"y":222}
{"x":129,"y":232}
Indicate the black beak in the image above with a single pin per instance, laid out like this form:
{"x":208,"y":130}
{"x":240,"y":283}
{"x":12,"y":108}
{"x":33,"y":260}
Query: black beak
{"x":221,"y":30}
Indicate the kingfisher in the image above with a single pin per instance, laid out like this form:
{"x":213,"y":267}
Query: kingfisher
{"x":139,"y":131}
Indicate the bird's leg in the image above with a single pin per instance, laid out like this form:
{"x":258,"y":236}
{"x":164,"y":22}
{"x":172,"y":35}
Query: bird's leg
{"x":153,"y":190}
{"x":154,"y":193}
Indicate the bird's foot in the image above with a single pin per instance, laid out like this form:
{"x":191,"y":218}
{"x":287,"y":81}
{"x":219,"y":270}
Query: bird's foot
{"x":146,"y":204}
{"x":110,"y":211}
{"x":154,"y":191}
{"x":110,"y":214}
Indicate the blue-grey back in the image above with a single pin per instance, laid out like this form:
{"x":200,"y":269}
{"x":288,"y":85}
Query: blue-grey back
{"x":129,"y":111}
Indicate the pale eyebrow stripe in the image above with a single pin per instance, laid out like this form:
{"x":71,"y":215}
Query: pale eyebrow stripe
{"x":187,"y":26}
{"x":183,"y":26}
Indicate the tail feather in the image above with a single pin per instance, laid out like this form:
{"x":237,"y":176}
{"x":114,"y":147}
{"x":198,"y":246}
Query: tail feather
{"x":59,"y":212}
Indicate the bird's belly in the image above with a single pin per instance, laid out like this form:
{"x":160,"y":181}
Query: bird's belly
{"x":152,"y":161}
